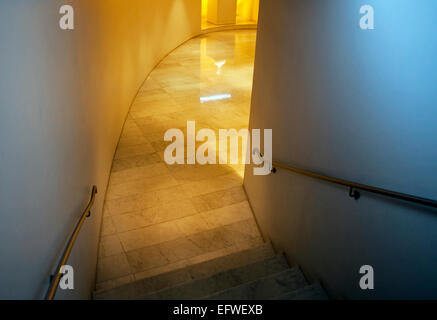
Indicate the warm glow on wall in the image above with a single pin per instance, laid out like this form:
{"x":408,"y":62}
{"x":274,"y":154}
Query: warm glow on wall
{"x":248,"y":9}
{"x":204,"y":8}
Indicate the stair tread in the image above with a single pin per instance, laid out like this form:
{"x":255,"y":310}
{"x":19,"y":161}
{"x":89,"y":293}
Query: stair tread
{"x":221,"y":281}
{"x":273,"y":285}
{"x":187,"y":274}
{"x":311,"y":292}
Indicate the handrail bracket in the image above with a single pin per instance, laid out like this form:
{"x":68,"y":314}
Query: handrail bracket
{"x":354,"y":193}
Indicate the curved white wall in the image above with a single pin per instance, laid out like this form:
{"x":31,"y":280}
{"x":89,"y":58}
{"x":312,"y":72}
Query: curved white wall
{"x":358,"y":105}
{"x":64,"y":96}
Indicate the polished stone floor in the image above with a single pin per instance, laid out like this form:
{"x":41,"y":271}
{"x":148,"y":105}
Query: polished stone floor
{"x":160,"y":217}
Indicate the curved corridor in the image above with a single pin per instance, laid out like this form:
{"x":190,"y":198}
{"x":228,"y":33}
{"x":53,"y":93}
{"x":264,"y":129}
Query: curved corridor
{"x":160,"y":217}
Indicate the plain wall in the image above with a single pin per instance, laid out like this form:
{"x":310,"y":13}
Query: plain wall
{"x":222,"y":11}
{"x":358,"y":105}
{"x":64,"y":96}
{"x":204,"y":9}
{"x":248,"y":9}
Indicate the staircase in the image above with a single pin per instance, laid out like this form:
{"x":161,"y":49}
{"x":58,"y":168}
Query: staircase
{"x":255,"y":274}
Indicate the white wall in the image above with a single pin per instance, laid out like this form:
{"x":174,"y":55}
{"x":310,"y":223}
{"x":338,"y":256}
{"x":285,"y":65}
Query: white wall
{"x":359,"y":105}
{"x":64,"y":96}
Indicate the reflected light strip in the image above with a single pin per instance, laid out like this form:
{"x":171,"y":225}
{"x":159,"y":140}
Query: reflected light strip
{"x":219,"y":65}
{"x":216,"y":97}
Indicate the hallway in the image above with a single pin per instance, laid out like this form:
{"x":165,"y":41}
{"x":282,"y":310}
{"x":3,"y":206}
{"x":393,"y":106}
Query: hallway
{"x":160,"y":217}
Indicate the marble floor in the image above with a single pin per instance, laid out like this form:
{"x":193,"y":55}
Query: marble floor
{"x":160,"y":217}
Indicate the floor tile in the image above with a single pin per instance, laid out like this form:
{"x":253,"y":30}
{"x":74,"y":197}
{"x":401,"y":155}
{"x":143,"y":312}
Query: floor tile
{"x":112,"y":267}
{"x":146,"y":258}
{"x":110,"y":245}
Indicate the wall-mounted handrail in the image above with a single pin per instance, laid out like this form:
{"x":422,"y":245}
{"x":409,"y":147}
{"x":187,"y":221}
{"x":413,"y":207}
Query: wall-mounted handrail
{"x":56,"y":278}
{"x":357,"y":186}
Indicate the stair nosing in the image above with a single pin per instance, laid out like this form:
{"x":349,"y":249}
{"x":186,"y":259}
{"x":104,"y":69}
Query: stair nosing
{"x":291,"y":268}
{"x":315,"y":284}
{"x":263,"y":246}
{"x":278,"y":256}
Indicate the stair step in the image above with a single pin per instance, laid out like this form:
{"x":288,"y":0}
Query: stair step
{"x":197,"y":271}
{"x":312,"y":292}
{"x":274,"y":285}
{"x":221,"y":281}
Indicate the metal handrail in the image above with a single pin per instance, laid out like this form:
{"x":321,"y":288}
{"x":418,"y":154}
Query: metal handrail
{"x":56,"y":278}
{"x":357,"y":186}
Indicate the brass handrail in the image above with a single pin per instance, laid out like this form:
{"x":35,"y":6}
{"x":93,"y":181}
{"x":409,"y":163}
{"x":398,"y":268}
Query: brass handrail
{"x":56,"y":278}
{"x":357,"y":186}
